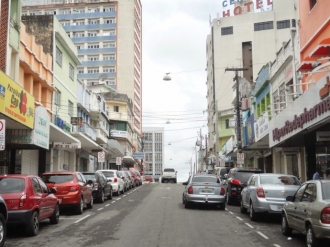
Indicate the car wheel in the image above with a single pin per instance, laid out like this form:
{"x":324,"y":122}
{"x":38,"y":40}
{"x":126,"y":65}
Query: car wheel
{"x":228,"y":199}
{"x":80,"y":207}
{"x":32,"y":228}
{"x":3,"y":230}
{"x":183,"y":200}
{"x":175,"y":181}
{"x":253,"y":214}
{"x":311,"y":240}
{"x":102,"y":197}
{"x":90,"y":204}
{"x":162,"y":181}
{"x":55,"y":218}
{"x":110,"y":195}
{"x":243,"y":210}
{"x":222,"y":206}
{"x":187,"y":204}
{"x":286,"y":230}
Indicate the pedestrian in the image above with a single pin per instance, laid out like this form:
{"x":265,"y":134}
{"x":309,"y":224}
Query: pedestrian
{"x":327,"y":174}
{"x":316,"y":175}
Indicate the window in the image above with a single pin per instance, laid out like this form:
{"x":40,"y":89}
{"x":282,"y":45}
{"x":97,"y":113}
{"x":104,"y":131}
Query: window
{"x":109,"y":33}
{"x":109,"y":9}
{"x":92,"y":34}
{"x":293,"y":23}
{"x":57,"y":97}
{"x":110,"y":82}
{"x":93,"y":46}
{"x":299,"y":193}
{"x":80,"y":23}
{"x":80,"y":46}
{"x":93,"y":22}
{"x":93,"y":58}
{"x":58,"y":56}
{"x":78,"y":34}
{"x":109,"y":57}
{"x":80,"y":71}
{"x":43,"y":186}
{"x":312,"y":3}
{"x":71,"y":71}
{"x":109,"y":45}
{"x":66,"y":23}
{"x":109,"y":70}
{"x":109,"y":21}
{"x":227,"y":123}
{"x":36,"y":186}
{"x":70,"y":108}
{"x":226,"y":30}
{"x":263,"y":25}
{"x":283,"y":24}
{"x":116,"y":108}
{"x":309,"y":193}
{"x":92,"y":70}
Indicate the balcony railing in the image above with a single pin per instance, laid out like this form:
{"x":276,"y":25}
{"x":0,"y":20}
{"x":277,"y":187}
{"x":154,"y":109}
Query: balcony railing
{"x":88,"y":130}
{"x":101,"y":136}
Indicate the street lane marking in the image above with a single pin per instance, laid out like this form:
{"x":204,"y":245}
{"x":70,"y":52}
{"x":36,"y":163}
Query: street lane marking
{"x":113,"y":201}
{"x":226,"y":209}
{"x":99,"y":209}
{"x":77,"y":221}
{"x":124,"y":195}
{"x":239,"y":218}
{"x":276,"y":245}
{"x":262,"y":235}
{"x":107,"y":205}
{"x":230,"y":212}
{"x":249,"y":225}
{"x":118,"y":199}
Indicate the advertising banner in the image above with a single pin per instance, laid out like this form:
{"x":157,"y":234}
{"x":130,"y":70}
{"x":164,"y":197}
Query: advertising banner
{"x":239,"y":7}
{"x":15,"y":102}
{"x":250,"y":130}
{"x":261,"y":127}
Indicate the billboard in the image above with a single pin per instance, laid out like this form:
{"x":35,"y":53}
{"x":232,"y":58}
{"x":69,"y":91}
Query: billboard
{"x":239,"y":7}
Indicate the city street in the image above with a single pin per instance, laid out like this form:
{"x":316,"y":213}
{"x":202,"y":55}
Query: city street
{"x":153,"y":215}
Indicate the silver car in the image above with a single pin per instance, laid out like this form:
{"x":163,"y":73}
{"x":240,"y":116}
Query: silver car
{"x":204,"y":189}
{"x":308,"y":212}
{"x":266,"y":193}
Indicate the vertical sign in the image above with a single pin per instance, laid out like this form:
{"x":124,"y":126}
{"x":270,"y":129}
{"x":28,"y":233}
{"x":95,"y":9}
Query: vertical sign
{"x":240,"y":158}
{"x":100,"y":157}
{"x":118,"y":161}
{"x":2,"y":134}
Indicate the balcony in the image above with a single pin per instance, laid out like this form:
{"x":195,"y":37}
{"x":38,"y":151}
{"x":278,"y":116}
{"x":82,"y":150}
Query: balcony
{"x":121,"y":134}
{"x":101,"y":136}
{"x":120,"y":116}
{"x":62,"y":17}
{"x":93,"y":39}
{"x":87,"y":130}
{"x":75,"y":27}
{"x":96,"y":51}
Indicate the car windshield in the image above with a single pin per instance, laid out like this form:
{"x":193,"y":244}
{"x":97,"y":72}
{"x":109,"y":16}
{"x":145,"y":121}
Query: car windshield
{"x":57,"y":178}
{"x":108,"y":174}
{"x":169,"y":170}
{"x":205,"y":179}
{"x":280,"y":180}
{"x":11,"y":185}
{"x":243,"y":176}
{"x":90,"y":176}
{"x":326,"y":191}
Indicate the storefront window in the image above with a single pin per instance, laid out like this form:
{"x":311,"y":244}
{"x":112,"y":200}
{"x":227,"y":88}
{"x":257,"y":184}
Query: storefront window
{"x":323,"y":156}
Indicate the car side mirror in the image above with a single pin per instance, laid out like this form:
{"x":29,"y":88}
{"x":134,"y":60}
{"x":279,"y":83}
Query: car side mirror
{"x":52,"y":191}
{"x":289,"y":198}
{"x":185,"y":183}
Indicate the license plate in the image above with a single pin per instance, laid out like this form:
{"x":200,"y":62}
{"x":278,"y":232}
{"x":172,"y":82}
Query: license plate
{"x":206,"y":191}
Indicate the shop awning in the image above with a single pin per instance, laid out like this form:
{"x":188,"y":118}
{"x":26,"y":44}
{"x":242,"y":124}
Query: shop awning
{"x":56,"y":134}
{"x":86,"y":143}
{"x":128,"y":160}
{"x":116,"y":150}
{"x":306,"y":64}
{"x":322,"y":50}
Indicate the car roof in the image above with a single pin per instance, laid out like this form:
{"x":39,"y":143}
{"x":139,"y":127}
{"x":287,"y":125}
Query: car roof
{"x":59,"y":172}
{"x":204,"y":175}
{"x":257,"y":170}
{"x":276,"y":174}
{"x":17,"y":175}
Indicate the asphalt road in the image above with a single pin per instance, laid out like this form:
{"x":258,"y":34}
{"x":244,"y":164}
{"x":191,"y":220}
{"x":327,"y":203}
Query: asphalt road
{"x":153,"y":215}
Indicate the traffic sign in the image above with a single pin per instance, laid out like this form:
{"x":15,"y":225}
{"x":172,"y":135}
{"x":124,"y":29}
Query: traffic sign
{"x":101,"y":156}
{"x":240,"y":158}
{"x":118,"y":161}
{"x":2,"y":134}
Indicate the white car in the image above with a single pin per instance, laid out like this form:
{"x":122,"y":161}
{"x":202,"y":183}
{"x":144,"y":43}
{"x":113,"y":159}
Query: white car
{"x":115,"y":179}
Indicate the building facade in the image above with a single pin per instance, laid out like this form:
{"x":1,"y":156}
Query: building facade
{"x":153,"y":139}
{"x":108,"y":36}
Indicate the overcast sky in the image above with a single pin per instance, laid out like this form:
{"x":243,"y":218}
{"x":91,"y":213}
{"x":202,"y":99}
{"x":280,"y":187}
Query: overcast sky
{"x":174,"y":40}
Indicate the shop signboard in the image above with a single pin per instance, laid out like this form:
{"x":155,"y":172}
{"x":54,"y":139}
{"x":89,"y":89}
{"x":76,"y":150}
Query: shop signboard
{"x":138,"y":155}
{"x":229,"y":145}
{"x":67,"y":145}
{"x":40,"y":133}
{"x":261,"y":127}
{"x":322,"y":136}
{"x":239,"y":7}
{"x":15,"y":102}
{"x":119,"y":133}
{"x":250,"y":130}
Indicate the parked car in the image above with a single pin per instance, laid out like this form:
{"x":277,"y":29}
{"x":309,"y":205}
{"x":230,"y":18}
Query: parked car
{"x":126,"y":179}
{"x":138,"y":176}
{"x":113,"y":176}
{"x":221,"y":171}
{"x":204,"y":189}
{"x":267,"y":192}
{"x":308,"y":212}
{"x":131,"y":179}
{"x":3,"y":221}
{"x":73,"y":190}
{"x":236,"y":181}
{"x":101,"y":188}
{"x":28,"y":201}
{"x":135,"y":178}
{"x":148,"y":178}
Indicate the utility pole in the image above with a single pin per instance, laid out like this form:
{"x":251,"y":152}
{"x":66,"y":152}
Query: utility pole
{"x":207,"y":160}
{"x":238,"y":105}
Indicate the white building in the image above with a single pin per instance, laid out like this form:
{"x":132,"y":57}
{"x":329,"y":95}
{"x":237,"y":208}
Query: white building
{"x":250,"y":39}
{"x":153,"y":139}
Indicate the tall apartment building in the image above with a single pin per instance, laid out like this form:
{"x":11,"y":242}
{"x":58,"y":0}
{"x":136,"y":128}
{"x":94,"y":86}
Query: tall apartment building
{"x":108,"y":36}
{"x":153,"y":139}
{"x":250,"y":38}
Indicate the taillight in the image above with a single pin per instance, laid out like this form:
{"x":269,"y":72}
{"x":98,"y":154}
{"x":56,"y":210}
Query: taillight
{"x":260,"y":192}
{"x":190,"y":190}
{"x":325,"y":216}
{"x":115,"y":180}
{"x":22,"y":200}
{"x":236,"y":182}
{"x":222,"y":191}
{"x":74,"y":188}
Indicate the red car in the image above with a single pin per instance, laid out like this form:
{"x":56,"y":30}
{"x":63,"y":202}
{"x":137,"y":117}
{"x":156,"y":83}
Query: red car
{"x":72,"y":189}
{"x":148,"y":178}
{"x":29,"y":201}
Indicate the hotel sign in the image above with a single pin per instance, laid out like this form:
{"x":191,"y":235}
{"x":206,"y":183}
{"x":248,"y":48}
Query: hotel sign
{"x":15,"y":102}
{"x":238,"y":7}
